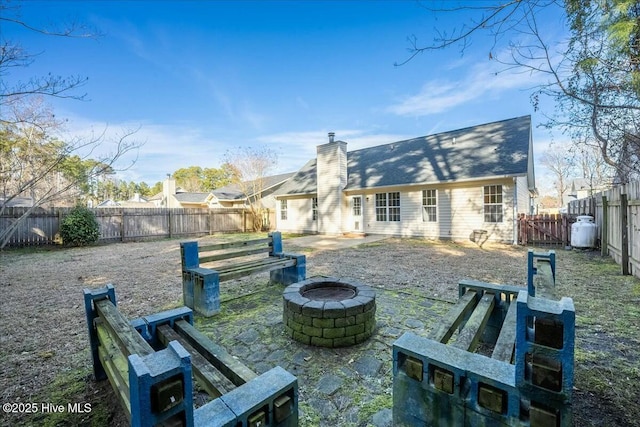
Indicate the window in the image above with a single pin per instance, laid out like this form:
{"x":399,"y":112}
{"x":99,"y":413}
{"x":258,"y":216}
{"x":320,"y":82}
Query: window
{"x":430,"y":205}
{"x":493,"y":203}
{"x":388,"y":206}
{"x":381,"y":207}
{"x":314,"y":208}
{"x":283,"y":210}
{"x":394,"y":206}
{"x":357,"y":206}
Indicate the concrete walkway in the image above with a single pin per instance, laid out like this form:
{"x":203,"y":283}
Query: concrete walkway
{"x":325,"y":242}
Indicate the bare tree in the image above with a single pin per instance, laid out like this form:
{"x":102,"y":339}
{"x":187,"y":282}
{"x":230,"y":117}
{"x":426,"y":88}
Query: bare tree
{"x":559,"y":160}
{"x":590,"y":164}
{"x":594,"y":76}
{"x":35,"y":160}
{"x":34,"y":163}
{"x":250,"y":166}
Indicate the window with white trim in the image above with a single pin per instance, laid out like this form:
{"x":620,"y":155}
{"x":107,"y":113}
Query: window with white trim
{"x":314,"y":208}
{"x":357,"y":206}
{"x":394,"y":206}
{"x":388,"y":206}
{"x":430,"y":205}
{"x":493,"y":203}
{"x":283,"y":209}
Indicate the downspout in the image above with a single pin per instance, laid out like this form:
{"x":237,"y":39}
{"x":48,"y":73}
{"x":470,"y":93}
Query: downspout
{"x":515,"y":211}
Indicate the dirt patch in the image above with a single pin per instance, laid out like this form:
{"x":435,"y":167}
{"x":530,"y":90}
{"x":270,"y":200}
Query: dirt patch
{"x":44,"y":347}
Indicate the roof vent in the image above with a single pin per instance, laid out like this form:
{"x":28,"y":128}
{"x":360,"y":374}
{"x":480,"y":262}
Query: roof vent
{"x":331,"y":136}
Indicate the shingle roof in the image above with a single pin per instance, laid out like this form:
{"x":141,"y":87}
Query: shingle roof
{"x":233,"y":192}
{"x":487,"y":150}
{"x":191,"y":197}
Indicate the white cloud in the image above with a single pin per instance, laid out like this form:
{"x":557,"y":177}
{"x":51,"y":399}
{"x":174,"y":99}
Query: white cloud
{"x":480,"y":81}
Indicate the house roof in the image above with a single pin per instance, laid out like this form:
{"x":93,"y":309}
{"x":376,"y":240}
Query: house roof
{"x":233,"y":191}
{"x":191,"y":197}
{"x":488,"y":150}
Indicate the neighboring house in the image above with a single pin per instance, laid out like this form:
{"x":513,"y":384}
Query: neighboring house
{"x":135,"y":202}
{"x":456,"y":185}
{"x":581,"y":188}
{"x":230,"y":196}
{"x":175,"y":197}
{"x":17,"y":202}
{"x":233,"y":196}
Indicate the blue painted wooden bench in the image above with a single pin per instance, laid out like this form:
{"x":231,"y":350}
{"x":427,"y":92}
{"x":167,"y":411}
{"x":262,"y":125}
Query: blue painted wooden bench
{"x":151,"y":363}
{"x":524,"y":374}
{"x":201,"y":286}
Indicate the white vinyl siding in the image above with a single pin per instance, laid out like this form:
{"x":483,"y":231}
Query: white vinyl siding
{"x":460,"y":211}
{"x":299,"y":216}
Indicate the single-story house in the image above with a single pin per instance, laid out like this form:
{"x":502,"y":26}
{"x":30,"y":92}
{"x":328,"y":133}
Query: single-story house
{"x":176,"y":197}
{"x":230,"y":196}
{"x":237,"y":196}
{"x":17,"y":202}
{"x":465,"y":184}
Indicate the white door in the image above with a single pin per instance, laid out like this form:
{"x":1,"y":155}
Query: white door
{"x":356,"y":214}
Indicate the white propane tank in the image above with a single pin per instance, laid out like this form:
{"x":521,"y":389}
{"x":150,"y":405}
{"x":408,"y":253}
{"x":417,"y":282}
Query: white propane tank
{"x":584,"y":232}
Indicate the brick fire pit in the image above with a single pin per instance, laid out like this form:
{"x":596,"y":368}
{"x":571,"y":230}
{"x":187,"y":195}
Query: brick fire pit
{"x":329,"y":312}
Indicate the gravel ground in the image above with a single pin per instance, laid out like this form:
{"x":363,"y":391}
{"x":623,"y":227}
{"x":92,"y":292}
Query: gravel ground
{"x":43,"y":340}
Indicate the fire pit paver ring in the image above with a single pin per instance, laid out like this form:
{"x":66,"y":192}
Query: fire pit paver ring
{"x":329,"y":312}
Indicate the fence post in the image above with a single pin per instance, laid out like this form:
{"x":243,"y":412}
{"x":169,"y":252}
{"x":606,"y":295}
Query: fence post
{"x":170,"y":223}
{"x":604,"y":231}
{"x":624,"y":232}
{"x":122,"y":224}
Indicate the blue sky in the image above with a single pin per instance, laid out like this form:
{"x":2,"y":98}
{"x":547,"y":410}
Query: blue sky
{"x":199,"y":78}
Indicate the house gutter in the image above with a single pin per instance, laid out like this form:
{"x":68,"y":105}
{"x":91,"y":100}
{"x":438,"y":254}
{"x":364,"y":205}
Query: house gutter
{"x":422,"y":184}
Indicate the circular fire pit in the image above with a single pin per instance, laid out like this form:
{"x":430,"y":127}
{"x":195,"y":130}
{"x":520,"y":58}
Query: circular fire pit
{"x":329,"y":312}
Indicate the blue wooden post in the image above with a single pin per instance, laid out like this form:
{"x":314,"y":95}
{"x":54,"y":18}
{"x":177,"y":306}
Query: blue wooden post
{"x":206,"y":291}
{"x":189,"y":255}
{"x":531,"y":271}
{"x":189,"y":258}
{"x":160,"y":387}
{"x":90,"y":295}
{"x":276,"y":243}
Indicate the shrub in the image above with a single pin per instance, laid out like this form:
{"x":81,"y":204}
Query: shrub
{"x":79,"y":227}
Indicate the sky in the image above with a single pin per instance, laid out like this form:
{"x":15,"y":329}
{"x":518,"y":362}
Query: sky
{"x":200,"y":78}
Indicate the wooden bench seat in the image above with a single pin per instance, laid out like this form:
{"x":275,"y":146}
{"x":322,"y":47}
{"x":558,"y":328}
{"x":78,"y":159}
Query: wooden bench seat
{"x":526,"y":356}
{"x":484,"y":313}
{"x":152,"y":362}
{"x":204,"y":267}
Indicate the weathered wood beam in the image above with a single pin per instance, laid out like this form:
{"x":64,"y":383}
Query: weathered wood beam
{"x":472,"y":332}
{"x":228,"y":245}
{"x":115,"y":364}
{"x":505,"y":344}
{"x":236,"y":254}
{"x":210,"y":378}
{"x":122,"y":333}
{"x":231,"y":368}
{"x":255,"y":268}
{"x":454,"y":317}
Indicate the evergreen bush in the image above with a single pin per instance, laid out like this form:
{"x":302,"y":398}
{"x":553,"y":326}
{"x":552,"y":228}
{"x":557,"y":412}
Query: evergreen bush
{"x":80,"y":227}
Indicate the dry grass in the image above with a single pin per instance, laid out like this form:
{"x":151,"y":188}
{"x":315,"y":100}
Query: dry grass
{"x":43,"y":340}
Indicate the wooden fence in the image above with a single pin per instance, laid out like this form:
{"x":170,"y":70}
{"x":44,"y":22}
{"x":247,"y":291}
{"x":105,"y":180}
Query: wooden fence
{"x":545,"y":229}
{"x":617,"y":215}
{"x":126,"y":224}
